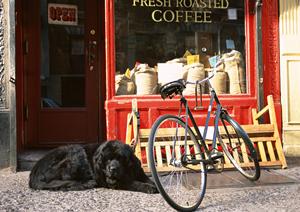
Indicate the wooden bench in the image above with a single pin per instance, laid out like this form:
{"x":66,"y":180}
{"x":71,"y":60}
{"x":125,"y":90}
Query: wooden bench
{"x":265,"y":137}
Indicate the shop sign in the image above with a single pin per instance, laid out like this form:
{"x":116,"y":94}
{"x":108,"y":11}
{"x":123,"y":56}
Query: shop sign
{"x":62,"y":14}
{"x":195,"y":11}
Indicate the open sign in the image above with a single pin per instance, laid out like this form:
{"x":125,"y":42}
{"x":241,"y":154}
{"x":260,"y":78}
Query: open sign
{"x":62,"y":14}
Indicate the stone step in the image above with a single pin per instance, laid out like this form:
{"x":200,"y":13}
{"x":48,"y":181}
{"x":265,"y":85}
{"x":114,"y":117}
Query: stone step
{"x":28,"y":158}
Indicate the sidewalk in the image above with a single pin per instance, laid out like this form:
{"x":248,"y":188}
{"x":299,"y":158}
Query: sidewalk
{"x":277,"y":190}
{"x":269,"y":176}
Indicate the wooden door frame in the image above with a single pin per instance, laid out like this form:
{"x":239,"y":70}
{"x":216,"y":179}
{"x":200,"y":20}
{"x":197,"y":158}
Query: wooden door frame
{"x":19,"y":77}
{"x":20,"y":72}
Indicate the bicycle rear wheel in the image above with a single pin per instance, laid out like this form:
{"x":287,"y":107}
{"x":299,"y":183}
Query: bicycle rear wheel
{"x":181,"y":184}
{"x":238,"y":147}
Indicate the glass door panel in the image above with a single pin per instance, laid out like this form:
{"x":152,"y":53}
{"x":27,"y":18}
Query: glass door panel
{"x":63,"y":78}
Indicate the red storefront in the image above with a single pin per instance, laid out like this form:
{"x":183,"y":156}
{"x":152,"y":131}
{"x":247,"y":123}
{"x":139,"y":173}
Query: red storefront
{"x":66,"y":69}
{"x":239,"y":105}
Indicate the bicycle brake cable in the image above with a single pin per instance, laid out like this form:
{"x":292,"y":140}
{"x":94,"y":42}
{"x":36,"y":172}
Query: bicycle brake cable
{"x":186,"y":126}
{"x":180,"y":109}
{"x":176,"y":132}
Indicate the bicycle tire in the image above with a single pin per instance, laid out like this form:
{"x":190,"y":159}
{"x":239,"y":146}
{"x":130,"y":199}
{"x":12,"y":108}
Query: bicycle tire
{"x":243,"y":157}
{"x":186,"y":197}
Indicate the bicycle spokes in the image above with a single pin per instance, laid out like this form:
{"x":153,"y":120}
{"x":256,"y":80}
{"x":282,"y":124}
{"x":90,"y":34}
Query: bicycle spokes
{"x":177,"y":167}
{"x":238,"y":148}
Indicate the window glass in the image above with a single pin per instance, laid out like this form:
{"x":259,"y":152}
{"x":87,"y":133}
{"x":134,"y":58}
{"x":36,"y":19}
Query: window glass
{"x":157,"y":41}
{"x":62,"y":53}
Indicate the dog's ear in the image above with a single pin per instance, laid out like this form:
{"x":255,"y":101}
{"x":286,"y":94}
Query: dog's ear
{"x":128,"y":152}
{"x":98,"y":169}
{"x":135,"y":167}
{"x":134,"y":163}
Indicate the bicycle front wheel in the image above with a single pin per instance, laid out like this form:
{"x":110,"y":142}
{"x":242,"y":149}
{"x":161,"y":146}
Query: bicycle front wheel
{"x":176,"y":163}
{"x":238,"y":148}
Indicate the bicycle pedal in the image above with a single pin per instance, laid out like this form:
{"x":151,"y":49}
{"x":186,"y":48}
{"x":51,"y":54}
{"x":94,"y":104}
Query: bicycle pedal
{"x":216,"y":155}
{"x":210,"y":168}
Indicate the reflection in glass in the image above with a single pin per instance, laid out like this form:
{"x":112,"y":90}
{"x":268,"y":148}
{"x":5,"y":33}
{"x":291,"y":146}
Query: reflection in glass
{"x":62,"y":54}
{"x":191,"y":35}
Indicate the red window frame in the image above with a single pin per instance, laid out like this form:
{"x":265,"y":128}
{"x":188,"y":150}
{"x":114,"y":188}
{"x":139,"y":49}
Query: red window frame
{"x":110,"y":55}
{"x":240,"y":106}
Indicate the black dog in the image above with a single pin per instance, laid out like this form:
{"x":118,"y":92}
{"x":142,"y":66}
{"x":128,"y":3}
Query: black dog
{"x":111,"y":164}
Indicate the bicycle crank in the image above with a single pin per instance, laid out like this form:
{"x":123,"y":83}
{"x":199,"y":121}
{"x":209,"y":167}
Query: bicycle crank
{"x":218,"y":164}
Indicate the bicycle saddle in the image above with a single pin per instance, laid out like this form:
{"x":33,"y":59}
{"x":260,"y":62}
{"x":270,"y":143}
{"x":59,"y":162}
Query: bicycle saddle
{"x":171,"y":89}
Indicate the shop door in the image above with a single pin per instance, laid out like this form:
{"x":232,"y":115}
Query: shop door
{"x":61,"y":72}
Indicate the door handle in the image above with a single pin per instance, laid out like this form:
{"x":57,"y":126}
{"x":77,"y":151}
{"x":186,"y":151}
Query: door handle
{"x":92,"y":54}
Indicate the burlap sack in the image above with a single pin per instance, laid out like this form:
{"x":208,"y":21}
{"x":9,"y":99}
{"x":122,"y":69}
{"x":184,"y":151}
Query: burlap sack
{"x":145,"y":80}
{"x":219,"y":81}
{"x":194,"y":72}
{"x":234,"y":66}
{"x":124,"y":85}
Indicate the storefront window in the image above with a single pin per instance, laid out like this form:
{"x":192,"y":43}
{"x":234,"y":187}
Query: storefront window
{"x":157,"y":41}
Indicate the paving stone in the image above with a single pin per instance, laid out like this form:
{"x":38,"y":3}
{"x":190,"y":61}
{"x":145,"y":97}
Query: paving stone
{"x":277,"y":190}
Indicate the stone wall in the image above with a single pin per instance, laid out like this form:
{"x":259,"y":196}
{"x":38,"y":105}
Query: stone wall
{"x":2,"y":73}
{"x":7,"y":89}
{"x":4,"y":115}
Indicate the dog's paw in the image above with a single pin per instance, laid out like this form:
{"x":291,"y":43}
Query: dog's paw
{"x":91,"y":184}
{"x":152,"y":189}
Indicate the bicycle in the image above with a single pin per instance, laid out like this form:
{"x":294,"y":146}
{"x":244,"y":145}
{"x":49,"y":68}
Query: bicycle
{"x":189,"y":158}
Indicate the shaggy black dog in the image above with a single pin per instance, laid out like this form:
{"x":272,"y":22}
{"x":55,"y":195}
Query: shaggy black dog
{"x":111,"y":164}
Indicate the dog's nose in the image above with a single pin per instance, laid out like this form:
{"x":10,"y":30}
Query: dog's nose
{"x":113,"y":166}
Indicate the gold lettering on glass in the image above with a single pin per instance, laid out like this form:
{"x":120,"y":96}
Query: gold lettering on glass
{"x":195,"y":11}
